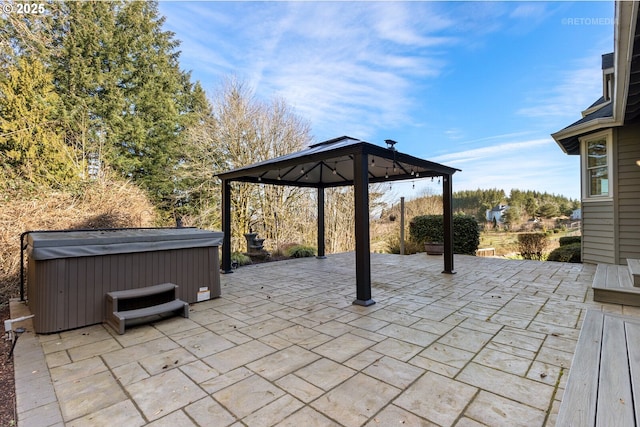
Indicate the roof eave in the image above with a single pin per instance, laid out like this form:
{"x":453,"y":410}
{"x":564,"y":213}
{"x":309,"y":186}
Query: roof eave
{"x":584,"y":128}
{"x":624,"y":34}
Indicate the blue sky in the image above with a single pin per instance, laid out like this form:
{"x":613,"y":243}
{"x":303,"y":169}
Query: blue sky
{"x":478,"y":86}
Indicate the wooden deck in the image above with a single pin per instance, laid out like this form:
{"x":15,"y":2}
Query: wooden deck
{"x":614,"y":284}
{"x":603,"y":388}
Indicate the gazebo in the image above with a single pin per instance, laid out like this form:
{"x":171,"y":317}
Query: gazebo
{"x":338,"y":162}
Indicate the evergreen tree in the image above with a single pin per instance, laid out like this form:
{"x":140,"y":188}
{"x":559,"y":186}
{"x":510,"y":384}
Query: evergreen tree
{"x":30,"y":146}
{"x":127,"y":102}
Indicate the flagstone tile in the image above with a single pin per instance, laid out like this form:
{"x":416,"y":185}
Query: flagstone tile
{"x":164,"y":393}
{"x":130,"y":373}
{"x":225,"y":380}
{"x":466,"y":339}
{"x":237,"y":356}
{"x":494,"y":410}
{"x":137,"y":335}
{"x":283,"y":362}
{"x":120,"y":414}
{"x":433,"y":366}
{"x":343,"y":347}
{"x":307,"y":417}
{"x":400,"y":350}
{"x":369,"y":323}
{"x":57,"y":359}
{"x":348,"y":405}
{"x":208,"y":412}
{"x":394,"y":416}
{"x":325,"y":373}
{"x":274,"y":412}
{"x":137,"y":352}
{"x":410,"y":335}
{"x":299,"y":388}
{"x":438,"y":399}
{"x":204,"y":344}
{"x":88,"y":394}
{"x":167,"y":360}
{"x":511,"y":386}
{"x":248,"y":395}
{"x":394,"y":372}
{"x":174,"y":419}
{"x":76,"y":370}
{"x":503,"y":361}
{"x":446,"y":354}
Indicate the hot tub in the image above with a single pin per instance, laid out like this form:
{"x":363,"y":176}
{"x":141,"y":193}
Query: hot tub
{"x":70,"y":272}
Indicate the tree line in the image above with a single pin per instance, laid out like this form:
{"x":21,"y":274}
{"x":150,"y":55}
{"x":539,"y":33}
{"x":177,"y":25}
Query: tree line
{"x":94,"y":90}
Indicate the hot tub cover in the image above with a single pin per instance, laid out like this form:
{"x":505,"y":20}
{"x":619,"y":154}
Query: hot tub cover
{"x":69,"y":244}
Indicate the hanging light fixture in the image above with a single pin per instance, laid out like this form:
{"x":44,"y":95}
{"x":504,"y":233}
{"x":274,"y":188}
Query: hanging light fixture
{"x":386,"y":172}
{"x":302,"y":170}
{"x":335,"y":168}
{"x":373,"y":161}
{"x":279,"y":177}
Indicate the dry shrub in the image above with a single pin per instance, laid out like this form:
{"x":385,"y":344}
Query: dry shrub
{"x":89,"y":205}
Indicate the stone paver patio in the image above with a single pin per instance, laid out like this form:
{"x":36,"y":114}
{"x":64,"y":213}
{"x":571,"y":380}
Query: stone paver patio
{"x":489,"y":346}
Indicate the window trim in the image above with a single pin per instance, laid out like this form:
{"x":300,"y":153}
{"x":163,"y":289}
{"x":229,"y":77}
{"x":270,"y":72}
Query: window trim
{"x":584,"y":141}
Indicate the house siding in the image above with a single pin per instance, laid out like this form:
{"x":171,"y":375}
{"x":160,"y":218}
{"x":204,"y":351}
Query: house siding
{"x":598,"y":232}
{"x":628,"y":192}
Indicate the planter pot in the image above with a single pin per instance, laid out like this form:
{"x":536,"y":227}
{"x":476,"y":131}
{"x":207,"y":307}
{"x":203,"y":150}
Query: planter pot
{"x":433,"y":248}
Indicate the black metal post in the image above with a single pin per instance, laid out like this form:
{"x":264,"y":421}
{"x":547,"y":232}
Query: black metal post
{"x":321,"y":254}
{"x":447,"y":213}
{"x":226,"y":227}
{"x":363,"y":255}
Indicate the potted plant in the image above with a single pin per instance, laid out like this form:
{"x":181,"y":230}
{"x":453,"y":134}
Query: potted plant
{"x":428,"y":230}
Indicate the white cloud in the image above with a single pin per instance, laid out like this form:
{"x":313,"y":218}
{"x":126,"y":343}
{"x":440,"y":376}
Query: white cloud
{"x":575,"y":90}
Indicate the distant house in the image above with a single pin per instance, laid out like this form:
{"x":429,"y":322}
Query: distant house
{"x":495,"y":214}
{"x":607,"y":139}
{"x":576,"y":214}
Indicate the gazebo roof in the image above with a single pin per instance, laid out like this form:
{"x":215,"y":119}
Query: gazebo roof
{"x":330,"y":164}
{"x":343,"y":161}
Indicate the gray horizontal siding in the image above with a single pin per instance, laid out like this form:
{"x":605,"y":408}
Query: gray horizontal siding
{"x":598,"y":232}
{"x":628,"y":192}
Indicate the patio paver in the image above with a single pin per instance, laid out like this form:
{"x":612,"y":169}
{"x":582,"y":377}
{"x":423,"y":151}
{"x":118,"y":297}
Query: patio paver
{"x":284,"y":346}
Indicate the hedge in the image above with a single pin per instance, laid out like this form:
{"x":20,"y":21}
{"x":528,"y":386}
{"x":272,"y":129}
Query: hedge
{"x":568,"y":240}
{"x":532,"y":245}
{"x":430,"y":228}
{"x":566,"y":253}
{"x":300,"y":251}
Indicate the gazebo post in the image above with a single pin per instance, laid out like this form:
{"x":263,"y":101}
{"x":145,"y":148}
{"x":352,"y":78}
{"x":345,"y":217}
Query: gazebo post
{"x":321,"y":240}
{"x":447,"y":215}
{"x":363,"y":255}
{"x":226,"y":227}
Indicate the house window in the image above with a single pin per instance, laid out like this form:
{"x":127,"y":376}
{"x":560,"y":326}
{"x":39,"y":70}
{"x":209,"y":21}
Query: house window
{"x":597,"y":166}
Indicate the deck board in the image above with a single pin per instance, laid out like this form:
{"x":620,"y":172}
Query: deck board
{"x":603,"y":388}
{"x":583,"y":375}
{"x":615,"y":405}
{"x":633,"y":349}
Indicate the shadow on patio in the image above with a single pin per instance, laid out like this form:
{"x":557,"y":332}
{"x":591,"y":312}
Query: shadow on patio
{"x":284,"y":346}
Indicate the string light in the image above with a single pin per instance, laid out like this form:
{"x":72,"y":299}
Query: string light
{"x":335,"y":168}
{"x":302,"y":170}
{"x":279,"y":177}
{"x":386,"y":172}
